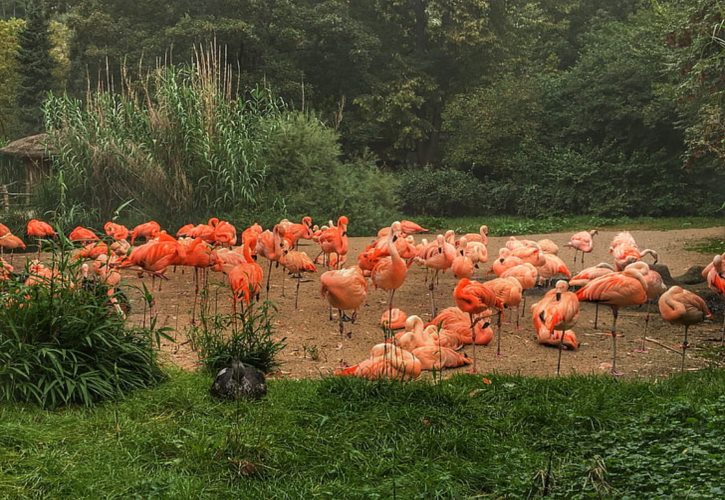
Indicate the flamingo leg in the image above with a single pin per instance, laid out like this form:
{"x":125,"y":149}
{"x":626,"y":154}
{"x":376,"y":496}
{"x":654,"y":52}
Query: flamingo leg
{"x":269,"y":275}
{"x":615,"y":313}
{"x":432,"y":288}
{"x":643,"y":348}
{"x":284,"y":271}
{"x":339,"y":316}
{"x":596,"y":314}
{"x":297,"y":291}
{"x":561,"y":348}
{"x":498,"y":339}
{"x":473,"y":338}
{"x":685,"y":344}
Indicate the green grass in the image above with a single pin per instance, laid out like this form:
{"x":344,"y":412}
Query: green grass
{"x":345,"y":438}
{"x":508,"y":225}
{"x":708,"y":246}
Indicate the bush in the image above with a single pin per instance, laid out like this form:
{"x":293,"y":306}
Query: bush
{"x":440,"y":192}
{"x":62,"y":343}
{"x":247,"y":337}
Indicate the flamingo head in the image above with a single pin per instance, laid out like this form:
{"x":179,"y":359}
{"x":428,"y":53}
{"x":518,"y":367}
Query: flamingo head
{"x":484,"y":229}
{"x":307,"y":221}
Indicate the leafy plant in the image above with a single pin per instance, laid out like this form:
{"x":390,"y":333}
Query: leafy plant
{"x":61,"y":342}
{"x":247,"y":337}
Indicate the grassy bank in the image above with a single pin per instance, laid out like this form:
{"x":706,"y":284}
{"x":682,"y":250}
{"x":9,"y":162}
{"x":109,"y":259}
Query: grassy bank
{"x":501,"y":225}
{"x":339,"y":438}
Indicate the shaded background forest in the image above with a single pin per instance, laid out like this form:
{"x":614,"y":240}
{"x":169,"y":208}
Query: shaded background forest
{"x":458,"y":107}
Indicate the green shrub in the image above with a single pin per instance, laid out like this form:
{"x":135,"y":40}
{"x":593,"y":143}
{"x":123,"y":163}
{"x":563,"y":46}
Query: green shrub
{"x":247,"y":337}
{"x":62,"y":344}
{"x":440,"y":192}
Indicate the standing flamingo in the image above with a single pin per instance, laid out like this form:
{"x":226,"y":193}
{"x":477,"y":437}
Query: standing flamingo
{"x":557,"y":310}
{"x":270,"y":245}
{"x":462,"y":265}
{"x":622,"y":289}
{"x":297,"y":263}
{"x":715,"y":277}
{"x":116,"y":231}
{"x":345,"y":290}
{"x":146,"y":230}
{"x":39,"y":229}
{"x":474,"y":298}
{"x":583,"y":242}
{"x":390,"y":272}
{"x":438,"y":256}
{"x":655,"y":288}
{"x":682,"y":307}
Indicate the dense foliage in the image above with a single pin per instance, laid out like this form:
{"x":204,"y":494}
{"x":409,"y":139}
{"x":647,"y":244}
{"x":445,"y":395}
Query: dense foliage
{"x":602,"y":107}
{"x":573,"y":437}
{"x":180,"y":145}
{"x":62,"y":342}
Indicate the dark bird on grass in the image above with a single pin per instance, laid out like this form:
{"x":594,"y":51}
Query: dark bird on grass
{"x":239,"y":381}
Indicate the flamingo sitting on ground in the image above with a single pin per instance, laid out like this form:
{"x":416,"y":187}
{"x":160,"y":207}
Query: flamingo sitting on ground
{"x":682,"y":307}
{"x":397,"y":319}
{"x":386,"y":361}
{"x":622,"y":289}
{"x":456,"y":322}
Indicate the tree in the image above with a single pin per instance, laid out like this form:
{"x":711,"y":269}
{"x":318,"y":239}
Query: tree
{"x":36,"y":68}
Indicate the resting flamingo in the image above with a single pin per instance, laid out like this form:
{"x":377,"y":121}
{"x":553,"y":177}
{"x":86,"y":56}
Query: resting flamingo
{"x":682,"y":307}
{"x":474,"y":298}
{"x":390,"y":272}
{"x":557,"y":310}
{"x":583,"y":242}
{"x":345,"y":290}
{"x":622,"y":289}
{"x":715,"y":278}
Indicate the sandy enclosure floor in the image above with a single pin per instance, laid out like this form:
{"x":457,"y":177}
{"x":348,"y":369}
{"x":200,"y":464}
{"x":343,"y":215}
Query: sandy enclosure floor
{"x":315,"y":348}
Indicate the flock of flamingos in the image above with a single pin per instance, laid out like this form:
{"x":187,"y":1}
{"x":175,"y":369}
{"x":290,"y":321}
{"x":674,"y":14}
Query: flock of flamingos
{"x":519,"y":266}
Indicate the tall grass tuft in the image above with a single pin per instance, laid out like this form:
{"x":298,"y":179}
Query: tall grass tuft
{"x":247,"y":337}
{"x":177,"y":142}
{"x":62,"y":342}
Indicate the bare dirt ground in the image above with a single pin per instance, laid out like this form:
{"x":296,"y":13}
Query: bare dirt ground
{"x":315,"y":348}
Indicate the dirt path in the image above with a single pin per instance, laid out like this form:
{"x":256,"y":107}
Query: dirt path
{"x":315,"y":348}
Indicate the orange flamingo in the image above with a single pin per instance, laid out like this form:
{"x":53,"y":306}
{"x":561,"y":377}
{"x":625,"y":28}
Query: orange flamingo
{"x":527,"y":276}
{"x":245,"y":279}
{"x":682,"y":307}
{"x":462,"y":265}
{"x":396,"y":321}
{"x":406,"y":228}
{"x":548,"y":246}
{"x":456,"y":322}
{"x":386,"y":361}
{"x":474,"y":298}
{"x":297,"y":263}
{"x":10,"y":242}
{"x":625,"y":251}
{"x":390,"y":272}
{"x":250,"y":235}
{"x":224,"y":233}
{"x":622,"y":289}
{"x":557,"y":310}
{"x":116,"y":231}
{"x":438,"y":257}
{"x":509,"y":291}
{"x":82,"y":234}
{"x":583,"y":242}
{"x":715,"y":278}
{"x":345,"y":290}
{"x":480,"y":237}
{"x":655,"y":288}
{"x":334,"y":240}
{"x":587,"y":275}
{"x":39,"y":229}
{"x":436,"y":357}
{"x":146,"y":230}
{"x":301,"y":231}
{"x":270,"y":245}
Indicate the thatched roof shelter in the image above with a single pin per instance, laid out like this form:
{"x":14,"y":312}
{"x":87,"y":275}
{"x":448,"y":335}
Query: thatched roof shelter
{"x":33,"y":147}
{"x":35,"y":154}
